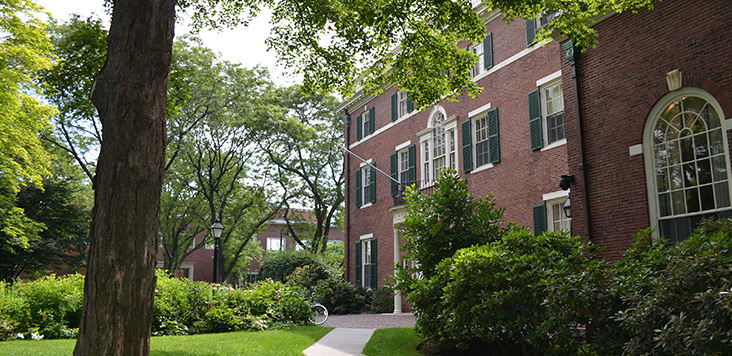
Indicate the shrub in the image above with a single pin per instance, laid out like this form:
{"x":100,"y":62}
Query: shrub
{"x":179,"y":302}
{"x":522,"y":293}
{"x":382,"y":300}
{"x":277,"y":266}
{"x":277,"y":303}
{"x":687,"y":307}
{"x":50,"y":306}
{"x":341,"y":297}
{"x":307,"y":277}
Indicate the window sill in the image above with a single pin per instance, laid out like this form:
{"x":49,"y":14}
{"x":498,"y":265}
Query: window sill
{"x":482,"y":168}
{"x":366,"y":205}
{"x":554,"y":144}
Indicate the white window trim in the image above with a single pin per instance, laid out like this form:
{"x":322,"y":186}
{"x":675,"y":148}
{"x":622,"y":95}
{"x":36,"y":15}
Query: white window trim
{"x":366,"y":237}
{"x":360,"y":167}
{"x":283,"y":243}
{"x":545,"y":82}
{"x":659,"y":107}
{"x":474,"y":115}
{"x":557,"y":197}
{"x":402,"y":146}
{"x":450,"y":123}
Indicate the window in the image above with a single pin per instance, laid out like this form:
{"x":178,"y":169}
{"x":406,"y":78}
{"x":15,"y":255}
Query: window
{"x":481,"y":140}
{"x":365,"y":123}
{"x":365,"y":185}
{"x":687,"y":162}
{"x":401,"y":105}
{"x":546,"y":115}
{"x":276,"y":243}
{"x":366,"y":270}
{"x":403,"y":169}
{"x":534,"y":25}
{"x":484,"y":52}
{"x":438,"y":147}
{"x":557,"y":219}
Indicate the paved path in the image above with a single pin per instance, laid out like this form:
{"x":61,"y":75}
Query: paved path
{"x":352,"y":332}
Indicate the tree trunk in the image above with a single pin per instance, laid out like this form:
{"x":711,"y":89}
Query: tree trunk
{"x":130,"y":95}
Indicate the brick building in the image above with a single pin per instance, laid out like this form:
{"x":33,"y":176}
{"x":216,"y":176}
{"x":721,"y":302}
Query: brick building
{"x":655,"y":111}
{"x":509,"y":140}
{"x":198,"y":266}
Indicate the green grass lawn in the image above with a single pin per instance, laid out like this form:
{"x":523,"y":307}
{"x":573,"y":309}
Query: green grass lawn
{"x":393,"y":342}
{"x":262,"y":343}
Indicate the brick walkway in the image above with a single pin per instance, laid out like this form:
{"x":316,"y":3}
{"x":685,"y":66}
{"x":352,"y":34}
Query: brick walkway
{"x":370,"y":321}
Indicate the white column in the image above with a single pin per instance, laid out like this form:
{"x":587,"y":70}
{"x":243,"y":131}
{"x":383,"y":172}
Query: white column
{"x":397,"y":261}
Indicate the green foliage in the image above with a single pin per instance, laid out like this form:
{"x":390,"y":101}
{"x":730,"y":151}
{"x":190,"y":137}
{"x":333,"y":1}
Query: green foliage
{"x":438,"y":225}
{"x":281,"y":264}
{"x":23,"y":54}
{"x":179,"y":302}
{"x":382,"y":300}
{"x":686,"y":307}
{"x":341,"y":297}
{"x":520,"y":292}
{"x":51,"y":306}
{"x":307,"y":277}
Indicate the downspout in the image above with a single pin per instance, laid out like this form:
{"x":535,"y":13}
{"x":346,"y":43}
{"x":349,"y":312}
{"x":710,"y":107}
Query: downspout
{"x":347,"y":213}
{"x":573,"y":56}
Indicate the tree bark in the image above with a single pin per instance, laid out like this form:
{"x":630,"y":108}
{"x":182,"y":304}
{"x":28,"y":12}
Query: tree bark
{"x":130,"y":95}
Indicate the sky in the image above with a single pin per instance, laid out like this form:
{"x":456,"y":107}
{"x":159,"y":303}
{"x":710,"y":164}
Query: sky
{"x":240,"y":45}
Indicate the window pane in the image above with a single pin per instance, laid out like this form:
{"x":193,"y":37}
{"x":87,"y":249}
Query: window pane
{"x":704,"y":171}
{"x":690,"y":175}
{"x":719,"y":168}
{"x":700,"y":146}
{"x":676,"y":179}
{"x":687,"y":148}
{"x":662,"y":179}
{"x":716,"y":146}
{"x":664,"y":202}
{"x":692,"y":200}
{"x":721,"y":192}
{"x":679,"y":202}
{"x":706,"y":193}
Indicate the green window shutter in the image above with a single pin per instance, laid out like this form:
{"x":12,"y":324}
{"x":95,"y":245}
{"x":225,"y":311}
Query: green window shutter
{"x":410,"y":104}
{"x":374,"y":270}
{"x":359,"y":127}
{"x":394,"y":107}
{"x":412,"y":156}
{"x":394,"y":173}
{"x":488,"y":51}
{"x":530,"y":32}
{"x":372,"y":186}
{"x":467,"y":146}
{"x":359,"y":266}
{"x":539,"y":219}
{"x":371,"y":120}
{"x":537,"y":133}
{"x":358,"y":189}
{"x":494,"y":142}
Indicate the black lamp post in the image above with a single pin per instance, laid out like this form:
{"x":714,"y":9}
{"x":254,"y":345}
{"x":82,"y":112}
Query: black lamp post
{"x":567,"y":207}
{"x":216,"y":230}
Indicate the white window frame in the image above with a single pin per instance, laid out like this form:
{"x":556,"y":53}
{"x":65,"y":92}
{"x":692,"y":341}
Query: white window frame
{"x":543,"y":84}
{"x":479,"y":67}
{"x":365,"y":125}
{"x":427,"y":141}
{"x":282,"y":245}
{"x":402,"y":104}
{"x":554,"y":202}
{"x":649,"y":154}
{"x":363,"y":170}
{"x":366,"y":267}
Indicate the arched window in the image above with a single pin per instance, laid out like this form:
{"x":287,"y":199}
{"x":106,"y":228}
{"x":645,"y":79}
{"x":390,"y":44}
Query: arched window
{"x":687,"y":162}
{"x":438,"y":147}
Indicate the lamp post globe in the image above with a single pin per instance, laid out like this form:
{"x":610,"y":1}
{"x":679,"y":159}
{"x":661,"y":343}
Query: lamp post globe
{"x":216,"y":230}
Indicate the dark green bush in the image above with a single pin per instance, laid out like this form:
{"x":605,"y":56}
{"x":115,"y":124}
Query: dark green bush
{"x":382,"y":300}
{"x":277,"y":266}
{"x":179,"y":302}
{"x":307,"y":277}
{"x":687,"y":305}
{"x":341,"y":297}
{"x":522,"y":293}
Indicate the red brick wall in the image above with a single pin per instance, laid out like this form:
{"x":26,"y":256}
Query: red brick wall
{"x":621,"y":80}
{"x":518,"y":181}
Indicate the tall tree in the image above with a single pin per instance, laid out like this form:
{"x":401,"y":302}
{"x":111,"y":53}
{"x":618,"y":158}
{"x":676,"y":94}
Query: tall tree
{"x":130,"y":95}
{"x":80,"y":45}
{"x":304,"y":145}
{"x":24,"y":51}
